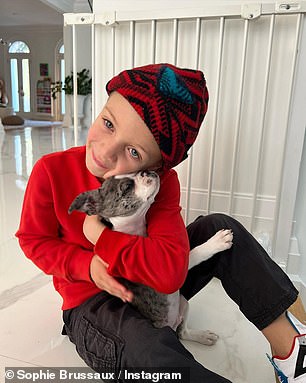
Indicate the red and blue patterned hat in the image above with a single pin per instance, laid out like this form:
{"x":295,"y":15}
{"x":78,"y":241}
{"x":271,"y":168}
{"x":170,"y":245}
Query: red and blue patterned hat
{"x":171,"y":101}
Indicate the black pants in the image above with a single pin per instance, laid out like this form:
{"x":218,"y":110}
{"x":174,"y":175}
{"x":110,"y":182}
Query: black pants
{"x":110,"y":335}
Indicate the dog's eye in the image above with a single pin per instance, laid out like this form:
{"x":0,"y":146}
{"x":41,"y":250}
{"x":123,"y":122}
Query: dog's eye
{"x":126,"y":186}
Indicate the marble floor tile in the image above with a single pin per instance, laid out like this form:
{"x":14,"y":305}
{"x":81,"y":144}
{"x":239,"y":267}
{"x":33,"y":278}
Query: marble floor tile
{"x":30,"y":309}
{"x":239,"y":353}
{"x":9,"y":362}
{"x":31,"y":330}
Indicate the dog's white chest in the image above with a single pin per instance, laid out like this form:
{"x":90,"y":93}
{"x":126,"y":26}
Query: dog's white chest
{"x":135,"y":225}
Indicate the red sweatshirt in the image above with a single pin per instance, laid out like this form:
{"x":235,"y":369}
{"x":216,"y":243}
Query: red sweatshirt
{"x":55,"y":242}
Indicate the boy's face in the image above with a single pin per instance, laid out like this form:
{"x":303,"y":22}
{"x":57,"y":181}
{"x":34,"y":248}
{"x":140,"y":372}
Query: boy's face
{"x":119,"y":142}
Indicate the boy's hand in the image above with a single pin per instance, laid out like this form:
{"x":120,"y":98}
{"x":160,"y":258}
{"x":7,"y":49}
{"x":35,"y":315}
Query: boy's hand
{"x":92,"y":228}
{"x":104,"y":281}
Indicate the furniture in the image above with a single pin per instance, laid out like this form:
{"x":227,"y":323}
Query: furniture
{"x":43,"y":96}
{"x":6,"y":111}
{"x":12,"y":120}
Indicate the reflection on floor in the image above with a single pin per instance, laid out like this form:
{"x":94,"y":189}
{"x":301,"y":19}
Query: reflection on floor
{"x":30,"y":320}
{"x":33,"y":124}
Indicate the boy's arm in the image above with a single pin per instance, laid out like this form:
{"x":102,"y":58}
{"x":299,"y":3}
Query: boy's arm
{"x":159,"y":260}
{"x":40,"y":235}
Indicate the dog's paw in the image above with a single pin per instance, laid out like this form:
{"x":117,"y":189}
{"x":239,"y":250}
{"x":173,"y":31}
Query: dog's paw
{"x":222,"y":240}
{"x":207,"y":337}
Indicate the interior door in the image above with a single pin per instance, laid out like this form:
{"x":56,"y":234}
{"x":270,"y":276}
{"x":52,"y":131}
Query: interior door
{"x":20,"y":83}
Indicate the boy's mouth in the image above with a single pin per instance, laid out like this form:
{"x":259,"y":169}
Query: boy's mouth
{"x":98,"y":162}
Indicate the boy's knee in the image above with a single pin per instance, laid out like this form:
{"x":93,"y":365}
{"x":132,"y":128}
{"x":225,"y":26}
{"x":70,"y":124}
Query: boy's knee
{"x":204,"y":227}
{"x":224,"y":220}
{"x":218,"y":220}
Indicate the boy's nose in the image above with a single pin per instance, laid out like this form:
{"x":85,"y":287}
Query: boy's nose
{"x":110,"y":152}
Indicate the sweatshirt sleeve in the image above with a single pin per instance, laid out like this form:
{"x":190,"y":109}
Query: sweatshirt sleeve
{"x":159,"y":260}
{"x":40,"y":234}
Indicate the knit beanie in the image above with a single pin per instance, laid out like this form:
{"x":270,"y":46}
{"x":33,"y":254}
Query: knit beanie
{"x":171,"y":101}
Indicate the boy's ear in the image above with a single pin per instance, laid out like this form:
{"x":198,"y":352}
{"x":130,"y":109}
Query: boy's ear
{"x":86,"y":202}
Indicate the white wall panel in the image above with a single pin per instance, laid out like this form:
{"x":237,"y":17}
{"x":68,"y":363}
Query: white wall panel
{"x":249,"y":64}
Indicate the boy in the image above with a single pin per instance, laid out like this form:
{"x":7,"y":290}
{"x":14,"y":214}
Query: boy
{"x":151,"y":119}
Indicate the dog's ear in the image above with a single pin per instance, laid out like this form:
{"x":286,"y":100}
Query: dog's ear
{"x":86,"y":202}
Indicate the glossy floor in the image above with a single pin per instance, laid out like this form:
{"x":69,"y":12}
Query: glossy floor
{"x":30,"y":317}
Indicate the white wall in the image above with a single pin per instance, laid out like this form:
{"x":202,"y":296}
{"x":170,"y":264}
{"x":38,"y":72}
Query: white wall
{"x":227,"y":113}
{"x":83,"y":47}
{"x":42,"y":42}
{"x":83,"y":60}
{"x":300,"y":218}
{"x":275,"y":134}
{"x":103,"y":5}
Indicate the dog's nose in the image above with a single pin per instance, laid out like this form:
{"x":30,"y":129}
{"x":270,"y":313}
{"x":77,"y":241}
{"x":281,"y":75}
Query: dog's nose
{"x":143,"y":173}
{"x":148,"y":173}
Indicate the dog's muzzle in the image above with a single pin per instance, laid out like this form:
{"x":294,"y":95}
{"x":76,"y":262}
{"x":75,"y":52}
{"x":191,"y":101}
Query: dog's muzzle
{"x":147,"y":184}
{"x":147,"y":177}
{"x":148,"y":173}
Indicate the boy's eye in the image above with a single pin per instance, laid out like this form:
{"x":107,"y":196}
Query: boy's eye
{"x":108,"y":124}
{"x":134,"y":153}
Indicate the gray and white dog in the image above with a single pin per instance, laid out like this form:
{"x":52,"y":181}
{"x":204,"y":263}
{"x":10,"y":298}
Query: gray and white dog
{"x":123,"y":202}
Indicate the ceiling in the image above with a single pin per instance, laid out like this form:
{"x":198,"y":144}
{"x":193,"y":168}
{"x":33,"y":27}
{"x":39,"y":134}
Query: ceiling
{"x":38,"y":12}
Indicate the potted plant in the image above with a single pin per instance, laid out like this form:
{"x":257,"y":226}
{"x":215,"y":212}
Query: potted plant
{"x":84,"y":82}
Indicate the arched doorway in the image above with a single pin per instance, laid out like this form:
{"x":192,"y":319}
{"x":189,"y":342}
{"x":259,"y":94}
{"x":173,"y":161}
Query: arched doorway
{"x":19,"y":59}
